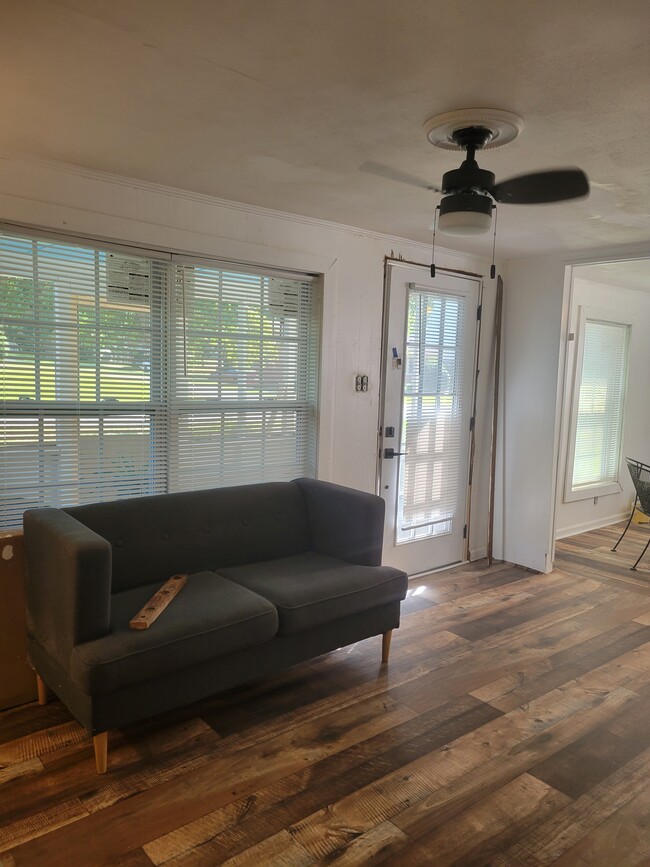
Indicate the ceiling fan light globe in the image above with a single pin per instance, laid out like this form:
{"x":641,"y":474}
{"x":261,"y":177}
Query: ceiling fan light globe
{"x":463,"y":223}
{"x":465,"y":214}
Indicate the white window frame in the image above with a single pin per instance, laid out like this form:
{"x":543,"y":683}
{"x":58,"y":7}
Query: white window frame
{"x":597,"y":489}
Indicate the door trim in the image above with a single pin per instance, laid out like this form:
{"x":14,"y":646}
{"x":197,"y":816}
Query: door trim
{"x":472,"y":432}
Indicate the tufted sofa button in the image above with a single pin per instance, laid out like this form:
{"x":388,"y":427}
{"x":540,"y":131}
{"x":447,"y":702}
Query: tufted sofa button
{"x":245,"y":522}
{"x":206,"y":529}
{"x":165,"y":536}
{"x":119,"y":543}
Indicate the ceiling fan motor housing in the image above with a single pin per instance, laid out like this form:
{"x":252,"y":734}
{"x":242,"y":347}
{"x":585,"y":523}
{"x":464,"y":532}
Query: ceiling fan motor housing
{"x":467,"y":177}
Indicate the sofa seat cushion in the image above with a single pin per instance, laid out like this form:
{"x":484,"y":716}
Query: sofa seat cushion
{"x":313,"y":589}
{"x":209,"y":617}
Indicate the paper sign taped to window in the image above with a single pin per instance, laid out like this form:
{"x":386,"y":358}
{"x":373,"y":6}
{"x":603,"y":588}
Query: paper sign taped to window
{"x":283,"y":297}
{"x":128,"y":280}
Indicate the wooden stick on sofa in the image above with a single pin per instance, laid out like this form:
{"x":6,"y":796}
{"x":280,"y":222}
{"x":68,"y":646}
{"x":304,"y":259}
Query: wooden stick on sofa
{"x":159,"y":601}
{"x":42,"y":690}
{"x":385,"y":645}
{"x":100,"y":742}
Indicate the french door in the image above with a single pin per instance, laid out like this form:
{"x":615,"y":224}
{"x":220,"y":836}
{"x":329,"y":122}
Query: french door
{"x":429,"y":374}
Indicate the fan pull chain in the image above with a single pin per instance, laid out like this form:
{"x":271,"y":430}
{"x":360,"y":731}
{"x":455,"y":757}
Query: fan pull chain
{"x":433,"y":245}
{"x":493,"y":270}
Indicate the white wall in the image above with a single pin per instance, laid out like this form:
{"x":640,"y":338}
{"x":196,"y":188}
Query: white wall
{"x":96,"y":205}
{"x":580,"y":515}
{"x":532,"y":327}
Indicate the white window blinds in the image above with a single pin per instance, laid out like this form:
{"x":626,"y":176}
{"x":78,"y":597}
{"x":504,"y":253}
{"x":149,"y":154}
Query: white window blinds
{"x":432,"y":412}
{"x":244,"y":362}
{"x":601,"y":400}
{"x":126,"y":375}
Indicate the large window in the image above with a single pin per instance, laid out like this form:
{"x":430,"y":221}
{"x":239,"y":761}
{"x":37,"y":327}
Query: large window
{"x":125,"y":375}
{"x":598,"y":407}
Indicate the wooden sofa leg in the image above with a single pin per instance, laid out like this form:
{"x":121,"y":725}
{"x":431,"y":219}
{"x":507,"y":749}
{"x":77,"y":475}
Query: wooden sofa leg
{"x":42,"y":690}
{"x":100,"y":742}
{"x":385,"y":645}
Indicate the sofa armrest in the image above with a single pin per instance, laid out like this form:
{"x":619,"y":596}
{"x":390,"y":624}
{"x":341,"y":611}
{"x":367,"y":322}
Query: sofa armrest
{"x":68,"y":581}
{"x":344,"y":522}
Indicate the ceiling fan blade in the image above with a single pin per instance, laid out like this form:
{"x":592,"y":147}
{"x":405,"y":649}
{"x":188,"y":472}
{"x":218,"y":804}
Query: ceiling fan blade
{"x":538,"y":188}
{"x":397,"y":175}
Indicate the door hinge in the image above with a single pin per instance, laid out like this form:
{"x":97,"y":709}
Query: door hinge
{"x":471,"y":423}
{"x":479,"y":311}
{"x":465,"y":531}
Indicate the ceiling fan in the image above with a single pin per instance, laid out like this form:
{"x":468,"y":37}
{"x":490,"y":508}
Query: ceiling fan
{"x":469,"y":193}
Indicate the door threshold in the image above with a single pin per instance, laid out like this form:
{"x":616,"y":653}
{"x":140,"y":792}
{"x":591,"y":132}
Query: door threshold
{"x":439,"y":569}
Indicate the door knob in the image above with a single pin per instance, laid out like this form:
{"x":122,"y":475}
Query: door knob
{"x":391,"y":453}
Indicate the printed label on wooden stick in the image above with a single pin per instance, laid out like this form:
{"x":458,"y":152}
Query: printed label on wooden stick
{"x":158,"y":602}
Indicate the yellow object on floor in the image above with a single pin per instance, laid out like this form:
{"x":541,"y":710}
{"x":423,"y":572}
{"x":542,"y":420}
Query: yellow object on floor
{"x":640,"y":518}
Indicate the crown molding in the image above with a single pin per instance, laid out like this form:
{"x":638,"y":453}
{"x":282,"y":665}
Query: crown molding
{"x":129,"y":183}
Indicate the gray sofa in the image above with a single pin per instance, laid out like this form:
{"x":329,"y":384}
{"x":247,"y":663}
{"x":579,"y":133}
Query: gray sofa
{"x":279,"y":573}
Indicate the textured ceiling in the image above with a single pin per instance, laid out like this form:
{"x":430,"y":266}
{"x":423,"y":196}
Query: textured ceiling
{"x":279,"y":102}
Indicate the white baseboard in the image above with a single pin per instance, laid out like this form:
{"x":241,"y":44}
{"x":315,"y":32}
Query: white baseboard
{"x":594,"y":524}
{"x":478,"y":553}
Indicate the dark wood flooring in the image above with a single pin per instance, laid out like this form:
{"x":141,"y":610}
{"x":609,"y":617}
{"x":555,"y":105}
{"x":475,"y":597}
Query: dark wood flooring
{"x":511,"y":727}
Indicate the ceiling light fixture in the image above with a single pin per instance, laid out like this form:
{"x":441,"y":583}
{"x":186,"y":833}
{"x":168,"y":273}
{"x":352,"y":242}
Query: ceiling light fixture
{"x":464,"y":219}
{"x":466,"y":213}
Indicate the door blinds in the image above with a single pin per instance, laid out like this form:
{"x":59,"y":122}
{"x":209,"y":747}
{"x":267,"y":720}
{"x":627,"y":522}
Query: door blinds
{"x":601,"y":400}
{"x":123,"y":375}
{"x":432,"y":412}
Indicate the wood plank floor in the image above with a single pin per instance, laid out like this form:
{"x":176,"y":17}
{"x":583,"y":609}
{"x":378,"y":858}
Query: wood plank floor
{"x":511,"y":727}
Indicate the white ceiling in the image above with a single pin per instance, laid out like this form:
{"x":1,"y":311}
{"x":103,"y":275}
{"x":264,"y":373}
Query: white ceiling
{"x":631,"y":274}
{"x":279,"y":102}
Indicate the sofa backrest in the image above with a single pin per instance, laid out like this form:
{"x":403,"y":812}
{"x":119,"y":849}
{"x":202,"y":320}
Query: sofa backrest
{"x":155,"y":537}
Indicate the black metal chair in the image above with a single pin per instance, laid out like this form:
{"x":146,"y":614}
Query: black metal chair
{"x":640,"y":474}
